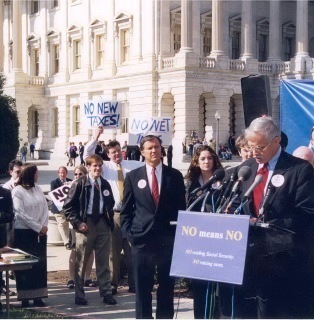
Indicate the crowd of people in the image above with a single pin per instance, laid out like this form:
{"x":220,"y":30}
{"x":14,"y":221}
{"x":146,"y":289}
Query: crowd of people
{"x":117,"y":204}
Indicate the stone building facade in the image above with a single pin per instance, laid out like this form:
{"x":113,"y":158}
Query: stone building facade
{"x":178,"y":58}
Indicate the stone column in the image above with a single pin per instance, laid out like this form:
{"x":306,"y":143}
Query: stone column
{"x":302,"y":28}
{"x":186,"y":26}
{"x":110,"y":62}
{"x":17,"y":45}
{"x":274,"y":31}
{"x":246,"y":26}
{"x":137,"y":31}
{"x":196,"y":23}
{"x":217,"y":28}
{"x":164,"y":34}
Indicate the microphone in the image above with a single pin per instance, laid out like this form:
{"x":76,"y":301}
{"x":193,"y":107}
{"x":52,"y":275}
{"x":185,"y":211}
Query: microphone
{"x":270,"y":188}
{"x":226,"y":187}
{"x":244,"y":174}
{"x":258,"y":179}
{"x":219,"y":174}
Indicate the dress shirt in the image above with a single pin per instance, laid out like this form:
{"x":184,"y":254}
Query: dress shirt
{"x":271,"y":167}
{"x":110,"y":173}
{"x":91,"y":199}
{"x":158,"y":173}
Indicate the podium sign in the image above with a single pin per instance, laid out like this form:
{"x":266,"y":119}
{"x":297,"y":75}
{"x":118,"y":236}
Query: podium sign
{"x":210,"y":246}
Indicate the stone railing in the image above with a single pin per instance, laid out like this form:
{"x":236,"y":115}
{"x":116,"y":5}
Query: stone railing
{"x":168,"y":63}
{"x":265,"y":67}
{"x":283,"y":67}
{"x":36,"y":81}
{"x":207,"y":63}
{"x":236,"y":65}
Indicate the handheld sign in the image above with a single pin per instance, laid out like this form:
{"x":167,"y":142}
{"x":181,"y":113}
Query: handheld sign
{"x":59,"y":195}
{"x":140,"y":127}
{"x":101,"y":112}
{"x":210,"y":246}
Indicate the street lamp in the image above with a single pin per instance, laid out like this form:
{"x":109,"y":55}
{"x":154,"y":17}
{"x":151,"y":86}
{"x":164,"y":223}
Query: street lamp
{"x":217,"y":117}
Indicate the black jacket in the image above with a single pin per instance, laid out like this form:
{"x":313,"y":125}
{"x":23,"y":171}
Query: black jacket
{"x":6,"y":214}
{"x":76,"y":204}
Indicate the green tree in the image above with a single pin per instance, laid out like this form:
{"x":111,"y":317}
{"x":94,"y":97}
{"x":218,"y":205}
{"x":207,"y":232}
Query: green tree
{"x":9,"y":128}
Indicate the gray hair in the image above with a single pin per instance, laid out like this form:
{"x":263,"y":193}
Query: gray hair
{"x":265,"y":126}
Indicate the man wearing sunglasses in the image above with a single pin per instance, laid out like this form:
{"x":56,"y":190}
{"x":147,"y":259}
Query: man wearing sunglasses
{"x":278,"y":281}
{"x":63,"y":225}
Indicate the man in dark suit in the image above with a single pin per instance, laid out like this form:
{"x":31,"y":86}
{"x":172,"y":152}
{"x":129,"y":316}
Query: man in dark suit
{"x":152,"y":196}
{"x":6,"y":216}
{"x":63,"y":225}
{"x":89,"y":208}
{"x":278,"y":281}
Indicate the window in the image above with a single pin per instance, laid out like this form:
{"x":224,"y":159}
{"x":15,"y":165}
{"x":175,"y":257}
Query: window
{"x":34,"y":6}
{"x":56,"y":53}
{"x":207,"y":42}
{"x":55,"y":122}
{"x":235,"y":37}
{"x":76,"y":120}
{"x":125,"y":34}
{"x":123,"y":28}
{"x":36,"y":58}
{"x":99,"y":50}
{"x":262,"y":48}
{"x":54,"y":4}
{"x":177,"y":38}
{"x":77,"y":54}
{"x":288,"y":38}
{"x":236,"y":45}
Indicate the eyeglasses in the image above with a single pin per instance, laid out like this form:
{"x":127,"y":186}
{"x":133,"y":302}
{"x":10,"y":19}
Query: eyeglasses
{"x":78,"y":174}
{"x":258,"y":148}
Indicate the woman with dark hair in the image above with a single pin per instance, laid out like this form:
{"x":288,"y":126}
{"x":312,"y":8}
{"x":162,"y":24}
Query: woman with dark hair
{"x":30,"y":235}
{"x":203,"y":164}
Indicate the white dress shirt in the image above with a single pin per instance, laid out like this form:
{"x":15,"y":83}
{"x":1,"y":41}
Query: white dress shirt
{"x":110,"y":173}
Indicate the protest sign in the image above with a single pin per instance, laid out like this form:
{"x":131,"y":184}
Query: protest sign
{"x":59,"y":195}
{"x":101,"y":112}
{"x":140,"y":127}
{"x":210,"y":246}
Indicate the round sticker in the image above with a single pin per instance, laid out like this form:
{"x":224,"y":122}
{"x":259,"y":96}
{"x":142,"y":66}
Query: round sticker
{"x":278,"y":180}
{"x":106,"y":193}
{"x":215,"y":185}
{"x":142,"y":184}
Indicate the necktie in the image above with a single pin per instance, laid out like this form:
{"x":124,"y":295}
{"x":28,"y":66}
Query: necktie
{"x":259,"y":190}
{"x":155,"y":190}
{"x":120,"y":180}
{"x":96,"y":202}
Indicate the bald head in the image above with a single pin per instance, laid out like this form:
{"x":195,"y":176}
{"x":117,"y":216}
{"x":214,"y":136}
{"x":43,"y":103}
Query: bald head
{"x":304,"y":153}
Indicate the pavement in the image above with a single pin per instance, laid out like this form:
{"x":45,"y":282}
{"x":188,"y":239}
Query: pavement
{"x":61,"y":299}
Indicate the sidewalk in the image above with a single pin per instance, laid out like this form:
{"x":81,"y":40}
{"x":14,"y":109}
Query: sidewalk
{"x":61,"y":299}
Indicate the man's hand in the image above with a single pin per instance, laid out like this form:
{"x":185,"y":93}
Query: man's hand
{"x":82,"y":227}
{"x":98,"y":132}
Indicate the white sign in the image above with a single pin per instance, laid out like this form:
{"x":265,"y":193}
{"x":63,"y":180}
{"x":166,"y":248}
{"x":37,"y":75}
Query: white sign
{"x":59,"y":195}
{"x":140,"y":127}
{"x":101,"y":112}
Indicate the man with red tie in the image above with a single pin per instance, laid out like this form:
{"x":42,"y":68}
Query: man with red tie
{"x":278,"y":281}
{"x":152,"y":197}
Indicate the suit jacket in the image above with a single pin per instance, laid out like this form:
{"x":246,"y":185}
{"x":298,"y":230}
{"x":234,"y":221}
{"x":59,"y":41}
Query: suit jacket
{"x":141,"y":220}
{"x":289,"y":206}
{"x":55,"y":184}
{"x":76,"y":204}
{"x":6,"y":214}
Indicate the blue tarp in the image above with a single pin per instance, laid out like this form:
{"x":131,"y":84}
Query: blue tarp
{"x":297,"y":111}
